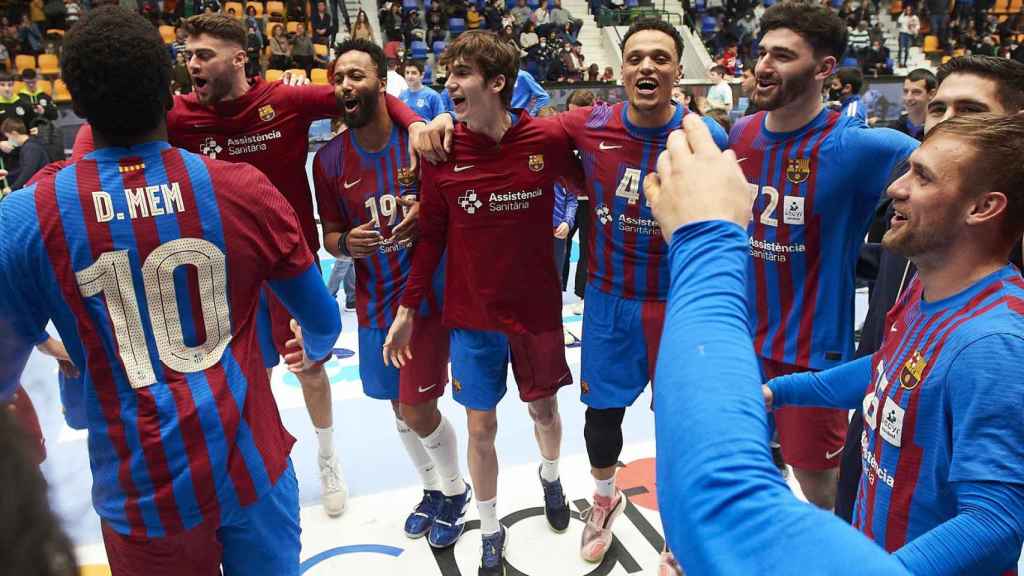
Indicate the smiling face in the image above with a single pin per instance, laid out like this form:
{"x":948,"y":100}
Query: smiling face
{"x":214,"y":66}
{"x":787,"y":70}
{"x":963,"y":94}
{"x":915,"y":96}
{"x":475,"y":100}
{"x":359,"y":86}
{"x":650,"y":68}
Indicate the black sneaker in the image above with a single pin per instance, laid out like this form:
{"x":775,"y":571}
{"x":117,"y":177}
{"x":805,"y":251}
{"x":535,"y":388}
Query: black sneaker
{"x":492,"y":554}
{"x":556,"y":507}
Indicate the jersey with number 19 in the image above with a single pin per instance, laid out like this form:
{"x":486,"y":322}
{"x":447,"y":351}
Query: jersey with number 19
{"x":149,"y":261}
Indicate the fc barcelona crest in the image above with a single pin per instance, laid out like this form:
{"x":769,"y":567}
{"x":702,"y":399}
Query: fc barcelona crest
{"x":798,"y":169}
{"x":267,"y":113}
{"x":913,"y":369}
{"x":406,"y":177}
{"x":536,"y":162}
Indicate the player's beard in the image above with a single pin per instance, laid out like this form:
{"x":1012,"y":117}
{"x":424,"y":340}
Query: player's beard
{"x":914,"y":238}
{"x":364,"y":114}
{"x":786,"y":92}
{"x":217,"y":87}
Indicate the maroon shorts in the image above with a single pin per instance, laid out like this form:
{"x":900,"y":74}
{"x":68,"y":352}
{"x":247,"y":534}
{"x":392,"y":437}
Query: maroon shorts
{"x":21,"y":406}
{"x":425,"y":376}
{"x":811,"y":438}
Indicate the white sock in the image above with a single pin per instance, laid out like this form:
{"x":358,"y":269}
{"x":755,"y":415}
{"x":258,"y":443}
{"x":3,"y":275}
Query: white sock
{"x":325,"y":437}
{"x":488,"y":516}
{"x":605,"y":488}
{"x":549,"y":469}
{"x":419,"y":457}
{"x":444,"y":451}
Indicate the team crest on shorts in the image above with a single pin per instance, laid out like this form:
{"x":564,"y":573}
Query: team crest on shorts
{"x":267,"y":113}
{"x":406,"y":177}
{"x":536,"y":162}
{"x":798,"y":169}
{"x":912,"y":371}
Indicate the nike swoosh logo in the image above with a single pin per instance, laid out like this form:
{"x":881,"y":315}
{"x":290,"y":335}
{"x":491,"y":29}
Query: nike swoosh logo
{"x":604,"y":146}
{"x":422,"y":389}
{"x":741,"y":160}
{"x":351,"y":184}
{"x":462,"y":168}
{"x":831,"y":455}
{"x":893,"y":329}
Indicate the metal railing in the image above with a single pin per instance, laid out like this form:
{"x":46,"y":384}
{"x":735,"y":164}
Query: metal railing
{"x":626,"y":16}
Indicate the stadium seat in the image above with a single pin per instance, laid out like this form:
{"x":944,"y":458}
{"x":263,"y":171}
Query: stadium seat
{"x":418,"y":50}
{"x":297,"y":72}
{"x":320,"y":50}
{"x":239,"y":9}
{"x":60,"y":92}
{"x":409,"y":5}
{"x":293,"y":26}
{"x":1015,"y":6}
{"x":439,"y":47}
{"x":319,"y":76}
{"x":273,"y":75}
{"x":931,"y":44}
{"x":45,"y":86}
{"x":275,"y":8}
{"x":707,"y":24}
{"x":456,"y":26}
{"x":49,"y":65}
{"x":849,"y":62}
{"x":18,"y":86}
{"x":167,"y":33}
{"x":257,"y":5}
{"x":24,"y":62}
{"x":54,"y":32}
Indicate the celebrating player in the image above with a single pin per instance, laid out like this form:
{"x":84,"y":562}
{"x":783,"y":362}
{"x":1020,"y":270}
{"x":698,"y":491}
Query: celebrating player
{"x":265,"y":124}
{"x":363,"y":182}
{"x":149,"y":260}
{"x":817,"y":176}
{"x":491,"y":208}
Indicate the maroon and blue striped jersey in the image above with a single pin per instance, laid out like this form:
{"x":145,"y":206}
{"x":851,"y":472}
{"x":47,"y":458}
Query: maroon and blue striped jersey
{"x":629,"y":256}
{"x":942,"y":407}
{"x":354,"y":186}
{"x":149,"y":261}
{"x":815,"y":190}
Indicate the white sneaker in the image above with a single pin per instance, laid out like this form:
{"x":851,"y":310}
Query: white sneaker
{"x":577,"y":308}
{"x":333,"y":491}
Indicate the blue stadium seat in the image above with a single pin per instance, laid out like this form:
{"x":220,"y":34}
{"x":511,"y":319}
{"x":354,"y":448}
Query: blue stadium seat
{"x":849,"y":62}
{"x":456,"y":26}
{"x":699,"y":6}
{"x":428,"y":75}
{"x":707,"y":24}
{"x":418,"y":50}
{"x":533,"y":4}
{"x":439,"y":47}
{"x":408,"y":5}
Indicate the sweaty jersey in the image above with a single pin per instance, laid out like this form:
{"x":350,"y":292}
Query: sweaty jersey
{"x":942,"y":407}
{"x":149,"y":262}
{"x":816,"y":190}
{"x":628,"y":253}
{"x":491,"y":206}
{"x":354,"y":186}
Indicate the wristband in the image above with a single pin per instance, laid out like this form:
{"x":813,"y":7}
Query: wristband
{"x":343,"y":244}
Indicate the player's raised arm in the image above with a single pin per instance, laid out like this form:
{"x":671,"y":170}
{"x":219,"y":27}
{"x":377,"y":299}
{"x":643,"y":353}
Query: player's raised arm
{"x":839,"y":387}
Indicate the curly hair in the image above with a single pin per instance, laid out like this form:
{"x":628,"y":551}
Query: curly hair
{"x":118,"y":72}
{"x":816,"y":24}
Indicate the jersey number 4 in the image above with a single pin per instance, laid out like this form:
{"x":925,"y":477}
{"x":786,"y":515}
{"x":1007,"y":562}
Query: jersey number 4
{"x":629,"y":186}
{"x":111,"y":276}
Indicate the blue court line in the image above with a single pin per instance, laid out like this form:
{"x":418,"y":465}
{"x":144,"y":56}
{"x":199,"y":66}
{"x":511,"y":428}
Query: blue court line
{"x":355,"y":549}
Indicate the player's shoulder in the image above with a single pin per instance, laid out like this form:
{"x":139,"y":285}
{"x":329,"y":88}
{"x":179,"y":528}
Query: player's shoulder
{"x":330,"y":156}
{"x":857,"y":137}
{"x":746,"y":125}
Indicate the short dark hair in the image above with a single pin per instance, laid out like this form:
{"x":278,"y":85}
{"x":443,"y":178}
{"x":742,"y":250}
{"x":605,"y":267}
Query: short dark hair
{"x":489,"y":54}
{"x":719,"y":69}
{"x":418,"y":64}
{"x":655,"y":24}
{"x":817,"y":24}
{"x":118,"y":72}
{"x":581,"y":97}
{"x":15,"y":125}
{"x":220,"y":26}
{"x":6,"y":77}
{"x":919,"y":74}
{"x":362,"y":45}
{"x":852,"y":76}
{"x":29,"y":74}
{"x":1006,"y":73}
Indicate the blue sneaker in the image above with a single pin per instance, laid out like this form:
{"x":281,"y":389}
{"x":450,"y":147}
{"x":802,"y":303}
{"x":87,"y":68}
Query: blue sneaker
{"x":492,"y":557}
{"x":450,"y":521}
{"x":418,"y":523}
{"x":556,"y":507}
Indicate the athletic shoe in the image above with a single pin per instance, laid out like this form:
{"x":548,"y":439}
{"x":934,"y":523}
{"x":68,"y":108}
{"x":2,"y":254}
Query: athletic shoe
{"x":333,"y":491}
{"x":492,"y":556}
{"x":668,"y":566}
{"x":556,"y":507}
{"x":597,"y":534}
{"x":450,"y":521}
{"x":418,"y":523}
{"x":350,"y":306}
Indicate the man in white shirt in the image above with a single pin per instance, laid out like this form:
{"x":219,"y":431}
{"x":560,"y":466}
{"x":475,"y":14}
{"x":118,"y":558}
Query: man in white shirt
{"x":720,"y":93}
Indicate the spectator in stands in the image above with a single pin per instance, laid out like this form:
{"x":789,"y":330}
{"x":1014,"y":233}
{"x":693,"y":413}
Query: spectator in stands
{"x":280,"y":48}
{"x":179,"y":41}
{"x":11,"y":105}
{"x":302,"y":49}
{"x":522,"y":14}
{"x":395,"y":81}
{"x":561,"y":17}
{"x":32,"y":96}
{"x":412,"y":27}
{"x":422,"y":99}
{"x":361,"y":29}
{"x":720,"y":93}
{"x":32,"y":155}
{"x":918,"y":89}
{"x":729,"y":57}
{"x":541,"y":18}
{"x":9,"y":35}
{"x":608,"y":75}
{"x":30,"y":39}
{"x":253,"y":50}
{"x":859,"y":39}
{"x":435,"y":16}
{"x":909,"y":28}
{"x":391,"y":22}
{"x":181,"y":80}
{"x":435,"y":34}
{"x":875,"y":61}
{"x":508,"y":34}
{"x":845,"y":93}
{"x":253,"y":23}
{"x":56,"y":14}
{"x":539,"y":59}
{"x":473,"y":18}
{"x":324,"y":26}
{"x":747,"y":86}
{"x":528,"y":38}
{"x":593,"y":72}
{"x":35,"y":10}
{"x":938,"y":17}
{"x":568,"y":65}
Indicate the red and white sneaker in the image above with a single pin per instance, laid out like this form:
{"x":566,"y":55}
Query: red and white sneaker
{"x":597,"y":534}
{"x":668,"y":566}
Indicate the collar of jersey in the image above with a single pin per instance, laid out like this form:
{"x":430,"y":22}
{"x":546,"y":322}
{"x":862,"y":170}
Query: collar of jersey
{"x":229,"y":107}
{"x":373,"y":155}
{"x":961,"y":299}
{"x":818,"y":121}
{"x":654,"y":131}
{"x":116,"y":152}
{"x":519,"y":118}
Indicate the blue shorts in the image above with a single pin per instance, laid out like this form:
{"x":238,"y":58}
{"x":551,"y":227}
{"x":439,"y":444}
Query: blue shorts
{"x":424,"y":376}
{"x":262,"y":539}
{"x":620,"y":348}
{"x":480,"y":362}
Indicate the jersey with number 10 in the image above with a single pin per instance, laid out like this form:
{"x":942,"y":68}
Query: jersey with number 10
{"x":628,"y":254}
{"x":816,"y":189}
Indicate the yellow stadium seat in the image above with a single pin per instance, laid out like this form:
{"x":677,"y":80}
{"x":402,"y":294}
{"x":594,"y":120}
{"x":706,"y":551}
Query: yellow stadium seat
{"x":293,"y":26}
{"x":18,"y":86}
{"x":297,"y":72}
{"x":24,"y":62}
{"x":54,"y":32}
{"x":931,"y":43}
{"x":239,"y":10}
{"x":273,"y":75}
{"x":49,"y":65}
{"x":320,"y":50}
{"x":1001,"y":6}
{"x":319,"y":76}
{"x":257,"y":5}
{"x":958,"y":52}
{"x":946,"y":58}
{"x":275,"y":8}
{"x":1015,"y":6}
{"x":60,"y":92}
{"x":167,"y":33}
{"x":45,"y":86}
